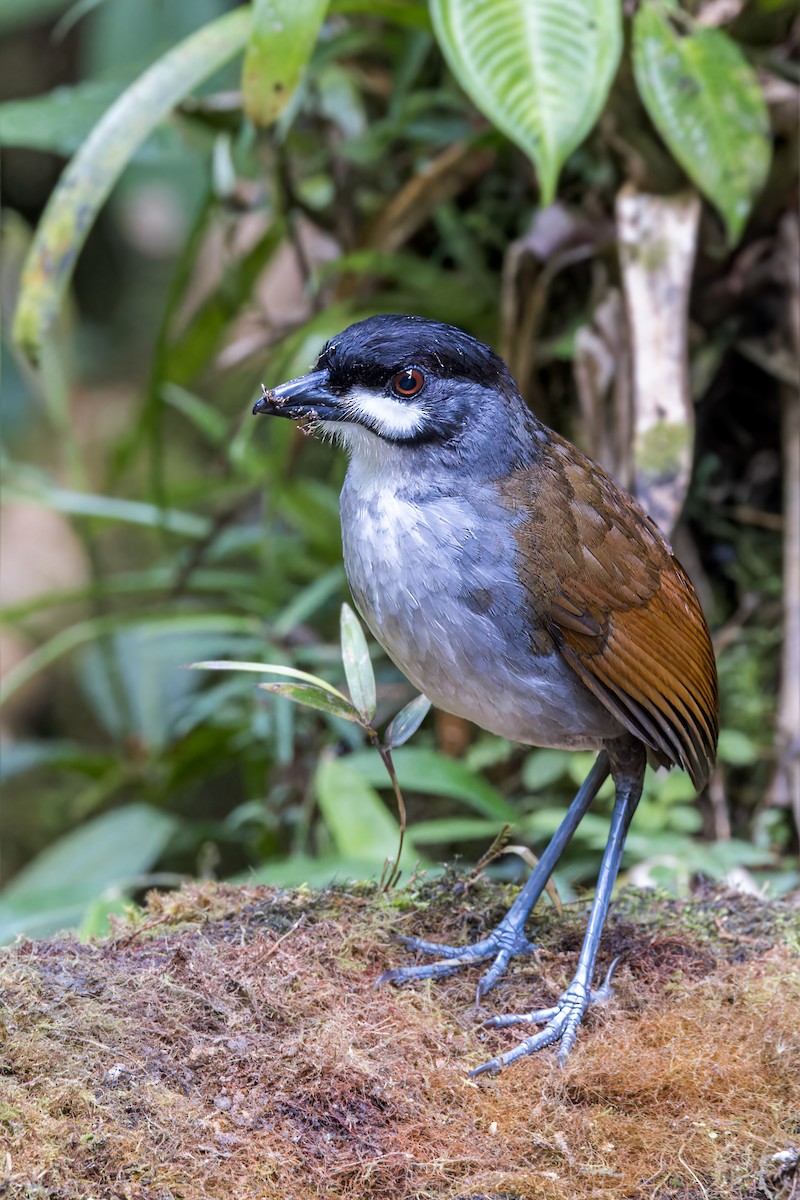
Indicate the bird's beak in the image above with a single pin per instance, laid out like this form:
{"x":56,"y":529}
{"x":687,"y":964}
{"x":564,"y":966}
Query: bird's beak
{"x":308,"y":397}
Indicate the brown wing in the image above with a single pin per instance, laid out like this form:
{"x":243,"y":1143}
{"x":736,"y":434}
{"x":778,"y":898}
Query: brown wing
{"x":623,"y":612}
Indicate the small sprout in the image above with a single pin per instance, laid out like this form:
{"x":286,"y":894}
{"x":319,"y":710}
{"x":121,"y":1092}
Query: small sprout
{"x":314,"y":692}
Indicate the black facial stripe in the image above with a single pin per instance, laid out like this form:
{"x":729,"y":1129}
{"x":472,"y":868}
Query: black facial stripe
{"x":346,"y":377}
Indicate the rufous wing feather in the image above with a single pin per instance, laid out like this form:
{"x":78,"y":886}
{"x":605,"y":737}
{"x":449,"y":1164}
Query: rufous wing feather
{"x":623,"y":612}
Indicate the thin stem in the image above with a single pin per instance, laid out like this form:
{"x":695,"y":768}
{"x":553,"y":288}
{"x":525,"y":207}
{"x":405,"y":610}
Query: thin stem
{"x":386,"y":757}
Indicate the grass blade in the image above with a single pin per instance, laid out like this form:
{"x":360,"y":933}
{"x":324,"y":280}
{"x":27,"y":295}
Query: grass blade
{"x":92,"y":173}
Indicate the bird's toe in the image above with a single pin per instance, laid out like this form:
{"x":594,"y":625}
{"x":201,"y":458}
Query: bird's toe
{"x":560,"y":1022}
{"x":474,"y":953}
{"x":503,"y":943}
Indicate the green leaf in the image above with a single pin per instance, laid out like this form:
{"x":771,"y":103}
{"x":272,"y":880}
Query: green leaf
{"x":685,"y":820}
{"x":110,"y":852}
{"x":61,"y":120}
{"x":540,"y":70}
{"x":357,"y":666}
{"x":432,"y":773}
{"x":674,"y":788}
{"x":110,"y":508}
{"x":314,"y":697}
{"x":207,"y":419}
{"x":69,"y":639}
{"x":456,"y":829}
{"x":737,"y":748}
{"x":406,"y":723}
{"x":305,"y":603}
{"x":21,"y":756}
{"x":90,"y":176}
{"x":359,"y":822}
{"x":400,"y":12}
{"x":705,"y":101}
{"x":542,"y":768}
{"x":135,"y":682}
{"x":58,"y":121}
{"x":107,"y":850}
{"x":95,"y":917}
{"x":279,"y":47}
{"x":271,"y":669}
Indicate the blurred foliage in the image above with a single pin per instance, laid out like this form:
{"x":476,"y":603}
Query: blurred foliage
{"x":149,"y":523}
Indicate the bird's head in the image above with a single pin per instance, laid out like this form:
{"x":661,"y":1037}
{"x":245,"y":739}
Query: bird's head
{"x":400,"y":382}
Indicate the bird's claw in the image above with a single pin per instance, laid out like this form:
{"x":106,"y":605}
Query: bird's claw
{"x":503,"y":943}
{"x":561,"y":1024}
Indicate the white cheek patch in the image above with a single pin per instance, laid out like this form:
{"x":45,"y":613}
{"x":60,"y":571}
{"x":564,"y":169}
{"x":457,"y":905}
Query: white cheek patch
{"x":387,"y":417}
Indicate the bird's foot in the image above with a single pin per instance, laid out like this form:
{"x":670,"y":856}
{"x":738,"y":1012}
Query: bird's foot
{"x":503,"y":944}
{"x":561,"y":1024}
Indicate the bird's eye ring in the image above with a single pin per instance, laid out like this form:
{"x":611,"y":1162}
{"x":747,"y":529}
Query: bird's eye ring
{"x":408,"y":383}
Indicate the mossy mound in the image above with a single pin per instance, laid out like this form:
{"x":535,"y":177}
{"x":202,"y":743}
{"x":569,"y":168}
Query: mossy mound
{"x":230,"y":1043}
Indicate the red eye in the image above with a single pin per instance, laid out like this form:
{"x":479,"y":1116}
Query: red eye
{"x":408,"y":383}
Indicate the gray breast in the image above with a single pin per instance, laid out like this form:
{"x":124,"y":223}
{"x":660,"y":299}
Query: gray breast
{"x":433,"y":576}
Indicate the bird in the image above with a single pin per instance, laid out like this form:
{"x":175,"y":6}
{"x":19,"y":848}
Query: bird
{"x":516,"y":585}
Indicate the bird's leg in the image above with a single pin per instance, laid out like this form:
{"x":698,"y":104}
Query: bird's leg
{"x":561,"y":1022}
{"x":508,"y":939}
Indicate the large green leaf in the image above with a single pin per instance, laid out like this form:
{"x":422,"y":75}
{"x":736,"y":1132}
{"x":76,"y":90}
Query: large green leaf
{"x":540,"y":70}
{"x":90,"y":176}
{"x":280,"y":44}
{"x":358,"y":820}
{"x":705,"y":101}
{"x":110,"y":852}
{"x":58,"y":121}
